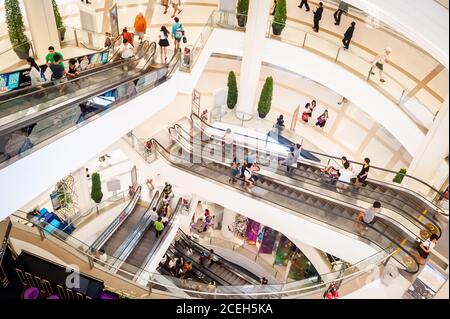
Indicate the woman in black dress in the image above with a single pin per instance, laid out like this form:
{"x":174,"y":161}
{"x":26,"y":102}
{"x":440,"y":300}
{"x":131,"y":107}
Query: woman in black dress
{"x":362,"y":176}
{"x":164,"y":43}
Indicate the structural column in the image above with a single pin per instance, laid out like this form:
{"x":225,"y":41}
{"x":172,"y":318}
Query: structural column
{"x":41,"y":20}
{"x":229,"y":218}
{"x":432,"y":152}
{"x":81,"y":186}
{"x":252,"y":56}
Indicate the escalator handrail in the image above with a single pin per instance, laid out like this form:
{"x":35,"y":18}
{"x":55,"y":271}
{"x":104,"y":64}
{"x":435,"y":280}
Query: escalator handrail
{"x":126,"y":212}
{"x":28,"y":120}
{"x":193,"y":115}
{"x":232,"y":267}
{"x":414,"y":219}
{"x":318,"y":195}
{"x":155,"y":142}
{"x":147,"y":215}
{"x":200,"y":268}
{"x":88,"y":254}
{"x":98,"y":70}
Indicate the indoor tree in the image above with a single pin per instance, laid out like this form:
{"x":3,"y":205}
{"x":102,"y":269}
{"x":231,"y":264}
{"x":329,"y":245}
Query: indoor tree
{"x":242,"y":12}
{"x":96,"y":192}
{"x":232,"y":91}
{"x":265,"y":101}
{"x":16,"y":29}
{"x":400,"y":176}
{"x":59,"y":21}
{"x":280,"y":17}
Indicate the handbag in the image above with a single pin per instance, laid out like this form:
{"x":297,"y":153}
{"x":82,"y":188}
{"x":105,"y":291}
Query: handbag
{"x":184,"y":39}
{"x":305,"y":117}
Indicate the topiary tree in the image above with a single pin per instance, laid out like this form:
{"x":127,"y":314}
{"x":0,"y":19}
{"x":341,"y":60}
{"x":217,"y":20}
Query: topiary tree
{"x":400,"y":176}
{"x":265,"y":101}
{"x":279,"y":19}
{"x":96,"y":192}
{"x":16,"y":29}
{"x":232,"y":91}
{"x":242,"y":12}
{"x":59,"y":21}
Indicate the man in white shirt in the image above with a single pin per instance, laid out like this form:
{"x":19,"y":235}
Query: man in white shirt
{"x":345,"y":176}
{"x":126,"y":50}
{"x":228,"y":139}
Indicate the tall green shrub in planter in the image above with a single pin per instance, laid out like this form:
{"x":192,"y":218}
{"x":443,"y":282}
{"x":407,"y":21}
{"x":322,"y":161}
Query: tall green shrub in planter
{"x":400,"y":176}
{"x":242,"y":10}
{"x":279,"y":20}
{"x":16,"y":29}
{"x":59,"y":21}
{"x":96,"y":192}
{"x":232,"y":91}
{"x":265,"y":101}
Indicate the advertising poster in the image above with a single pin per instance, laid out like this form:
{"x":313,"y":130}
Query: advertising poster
{"x":284,"y":251}
{"x":252,"y":232}
{"x":427,"y":284}
{"x":267,"y":241}
{"x":114,"y":20}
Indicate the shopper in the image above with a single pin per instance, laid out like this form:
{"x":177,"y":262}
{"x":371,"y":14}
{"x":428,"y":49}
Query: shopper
{"x":366,"y":218}
{"x":165,"y":4}
{"x":126,"y":36}
{"x":379,"y":62}
{"x":228,"y":143}
{"x":187,"y":269}
{"x":159,"y":227}
{"x":297,"y":151}
{"x":168,"y":190}
{"x":304,"y":3}
{"x":35,"y":72}
{"x":264,"y":281}
{"x":362,"y":176}
{"x":345,"y":177}
{"x":280,"y":122}
{"x":50,"y":57}
{"x":164,"y":43}
{"x":307,"y":113}
{"x":312,"y":107}
{"x":126,"y":50}
{"x":424,"y":249}
{"x":140,"y":26}
{"x":348,"y":35}
{"x":290,"y":162}
{"x":249,"y":182}
{"x":176,"y":4}
{"x":343,"y":8}
{"x":72,"y":71}
{"x":108,"y":41}
{"x":177,"y":33}
{"x":86,"y":1}
{"x":343,"y":101}
{"x":322,"y":120}
{"x":234,"y":171}
{"x":58,"y":73}
{"x":318,"y":16}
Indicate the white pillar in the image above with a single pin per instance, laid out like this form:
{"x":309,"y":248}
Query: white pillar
{"x":229,"y":218}
{"x":41,"y":21}
{"x":432,"y":152}
{"x":252,"y":57}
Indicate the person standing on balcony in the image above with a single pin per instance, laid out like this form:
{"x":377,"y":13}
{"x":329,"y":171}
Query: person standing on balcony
{"x":318,"y":16}
{"x":304,"y":3}
{"x":140,"y":26}
{"x":379,"y":62}
{"x":176,"y":4}
{"x":343,"y":8}
{"x":322,"y":120}
{"x":348,"y":35}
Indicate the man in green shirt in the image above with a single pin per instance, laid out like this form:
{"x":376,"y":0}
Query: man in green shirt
{"x":159,"y":227}
{"x":50,"y":57}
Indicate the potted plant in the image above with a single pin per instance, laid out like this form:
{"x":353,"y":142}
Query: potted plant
{"x":242,"y":12}
{"x":279,"y":19}
{"x":59,"y":22}
{"x":16,"y":29}
{"x":265,"y":101}
{"x":96,"y":192}
{"x":232,"y":91}
{"x":400,"y":176}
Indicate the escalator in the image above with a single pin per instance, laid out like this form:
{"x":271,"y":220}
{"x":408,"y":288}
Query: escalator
{"x":382,"y":235}
{"x":109,"y":89}
{"x":412,"y":206}
{"x":14,"y":106}
{"x":144,"y":245}
{"x":229,"y":272}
